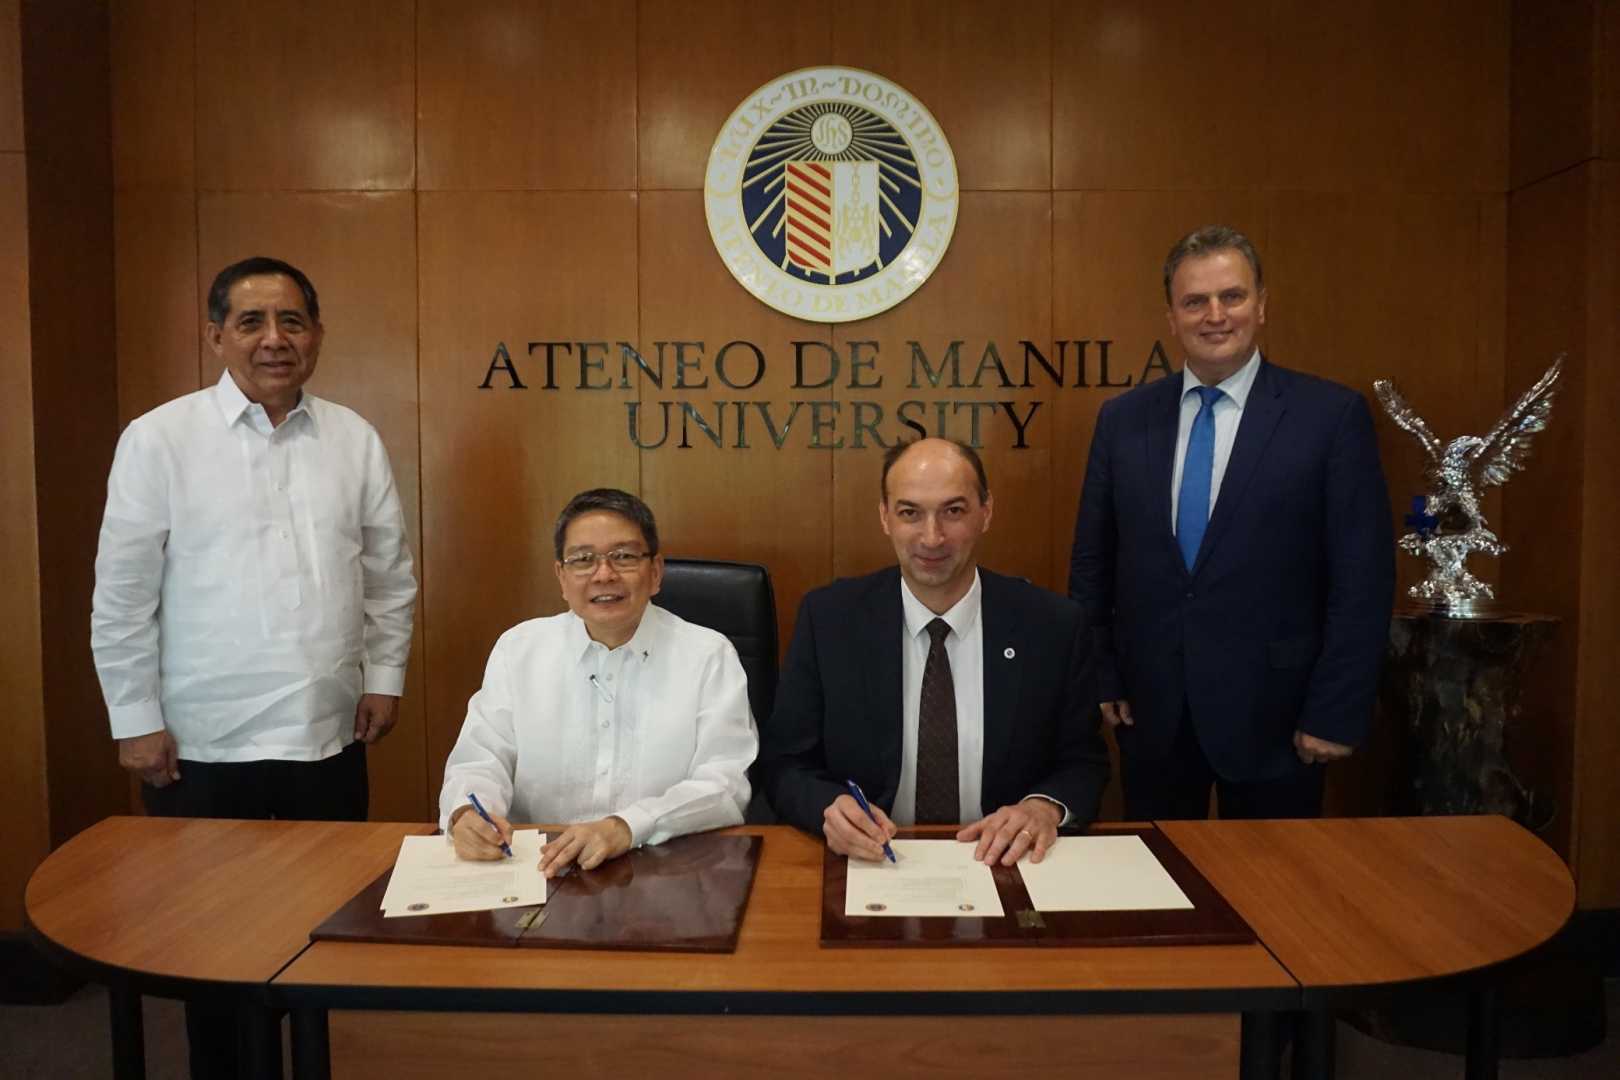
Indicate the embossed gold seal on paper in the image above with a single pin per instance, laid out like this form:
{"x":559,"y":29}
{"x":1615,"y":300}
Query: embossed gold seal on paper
{"x":831,"y":194}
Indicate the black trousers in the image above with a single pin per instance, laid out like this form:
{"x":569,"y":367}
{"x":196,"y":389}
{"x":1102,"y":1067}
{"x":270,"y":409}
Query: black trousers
{"x":1176,"y":788}
{"x":335,"y":789}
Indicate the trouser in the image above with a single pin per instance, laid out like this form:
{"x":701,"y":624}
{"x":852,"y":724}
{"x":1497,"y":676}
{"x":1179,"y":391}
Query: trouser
{"x":1176,"y":787}
{"x":335,"y":789}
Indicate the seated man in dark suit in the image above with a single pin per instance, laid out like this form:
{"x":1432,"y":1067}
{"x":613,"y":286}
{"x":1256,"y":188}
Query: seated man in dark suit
{"x":939,"y":688}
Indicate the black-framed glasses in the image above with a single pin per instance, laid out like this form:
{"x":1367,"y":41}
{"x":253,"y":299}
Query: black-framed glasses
{"x":583,"y":563}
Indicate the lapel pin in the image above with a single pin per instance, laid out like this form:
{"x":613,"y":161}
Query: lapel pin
{"x":1009,"y":652}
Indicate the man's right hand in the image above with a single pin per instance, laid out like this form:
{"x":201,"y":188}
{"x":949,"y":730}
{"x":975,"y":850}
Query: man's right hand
{"x":850,"y":832}
{"x":475,"y":838}
{"x":1117,"y":713}
{"x":154,"y":758}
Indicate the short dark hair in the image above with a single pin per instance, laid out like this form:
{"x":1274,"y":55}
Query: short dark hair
{"x":970,"y":455}
{"x":613,"y":501}
{"x":219,"y":293}
{"x":1207,"y":241}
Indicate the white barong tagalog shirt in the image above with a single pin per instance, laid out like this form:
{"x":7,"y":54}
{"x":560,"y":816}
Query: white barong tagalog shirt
{"x":657,"y":732}
{"x":251,"y":581}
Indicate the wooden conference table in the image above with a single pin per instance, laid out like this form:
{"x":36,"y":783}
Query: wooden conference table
{"x":1346,"y":911}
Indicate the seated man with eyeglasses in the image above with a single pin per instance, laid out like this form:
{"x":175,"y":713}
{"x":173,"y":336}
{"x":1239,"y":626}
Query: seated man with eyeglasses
{"x":617,"y":718}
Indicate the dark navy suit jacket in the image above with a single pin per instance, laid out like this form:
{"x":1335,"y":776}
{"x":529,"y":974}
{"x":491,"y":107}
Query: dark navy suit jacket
{"x":1283,"y":620}
{"x":838,"y":708}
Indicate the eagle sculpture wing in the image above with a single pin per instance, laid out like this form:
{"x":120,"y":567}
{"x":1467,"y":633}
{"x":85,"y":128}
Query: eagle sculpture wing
{"x":1507,"y":447}
{"x":1407,"y":419}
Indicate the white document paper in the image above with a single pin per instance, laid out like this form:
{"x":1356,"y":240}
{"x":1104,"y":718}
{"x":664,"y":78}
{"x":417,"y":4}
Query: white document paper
{"x":429,"y":880}
{"x":929,"y":877}
{"x":1100,"y":873}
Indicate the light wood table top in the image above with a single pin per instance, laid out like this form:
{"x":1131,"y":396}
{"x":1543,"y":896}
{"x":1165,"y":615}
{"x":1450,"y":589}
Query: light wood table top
{"x":1346,"y":902}
{"x":1336,"y":903}
{"x":779,"y":952}
{"x":216,"y":901}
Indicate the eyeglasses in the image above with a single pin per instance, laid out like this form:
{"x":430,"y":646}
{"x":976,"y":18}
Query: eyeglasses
{"x":583,"y":564}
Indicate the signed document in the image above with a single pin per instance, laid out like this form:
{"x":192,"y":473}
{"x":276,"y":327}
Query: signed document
{"x":929,"y":877}
{"x":428,"y":879}
{"x":1100,"y":873}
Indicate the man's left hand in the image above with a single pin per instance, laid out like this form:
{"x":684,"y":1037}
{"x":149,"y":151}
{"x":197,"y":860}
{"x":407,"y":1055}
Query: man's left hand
{"x":374,"y":717}
{"x":1312,"y":750}
{"x":1030,"y":826}
{"x":590,"y":845}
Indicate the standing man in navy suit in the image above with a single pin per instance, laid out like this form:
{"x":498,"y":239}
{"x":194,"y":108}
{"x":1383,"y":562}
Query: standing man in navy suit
{"x":1234,"y":557}
{"x":950,"y":694}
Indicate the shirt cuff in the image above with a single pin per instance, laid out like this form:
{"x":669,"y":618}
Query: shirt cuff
{"x":639,"y":819}
{"x":139,"y":718}
{"x":384,"y":680}
{"x":1064,"y":810}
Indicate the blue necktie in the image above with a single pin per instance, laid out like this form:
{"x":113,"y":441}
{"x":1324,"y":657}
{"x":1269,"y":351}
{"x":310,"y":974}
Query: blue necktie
{"x":1192,"y":509}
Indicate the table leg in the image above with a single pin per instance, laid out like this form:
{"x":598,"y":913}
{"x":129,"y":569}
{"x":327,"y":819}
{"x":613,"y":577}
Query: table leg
{"x":128,"y":1033}
{"x":1259,"y":1057}
{"x":311,"y":1045}
{"x":259,"y":1036}
{"x":1314,"y":1051}
{"x":1484,"y":1035}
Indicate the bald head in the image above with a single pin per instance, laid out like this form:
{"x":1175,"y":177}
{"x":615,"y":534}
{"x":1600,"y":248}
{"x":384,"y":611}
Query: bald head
{"x":935,"y":507}
{"x":931,"y":448}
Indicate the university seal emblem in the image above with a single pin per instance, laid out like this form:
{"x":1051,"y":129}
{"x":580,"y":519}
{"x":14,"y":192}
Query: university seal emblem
{"x":831,"y":194}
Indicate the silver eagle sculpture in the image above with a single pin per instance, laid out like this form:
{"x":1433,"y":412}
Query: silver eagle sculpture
{"x":1448,"y":526}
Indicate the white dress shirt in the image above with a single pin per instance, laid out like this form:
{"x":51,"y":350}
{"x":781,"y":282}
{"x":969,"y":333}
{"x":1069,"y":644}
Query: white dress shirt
{"x":1228,"y":412}
{"x":656,"y":732}
{"x":964,"y":648}
{"x":251,"y":581}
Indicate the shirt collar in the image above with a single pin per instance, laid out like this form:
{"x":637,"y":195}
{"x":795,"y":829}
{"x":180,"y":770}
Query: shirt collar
{"x":642,"y":643}
{"x":1235,"y":386}
{"x":960,"y":617}
{"x":233,"y":404}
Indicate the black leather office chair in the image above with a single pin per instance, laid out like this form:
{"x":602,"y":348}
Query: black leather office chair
{"x":737,"y":600}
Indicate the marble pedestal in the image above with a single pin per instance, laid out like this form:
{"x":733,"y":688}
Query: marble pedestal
{"x":1452,"y":685}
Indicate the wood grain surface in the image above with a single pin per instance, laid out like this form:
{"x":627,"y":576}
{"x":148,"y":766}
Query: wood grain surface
{"x":778,"y":950}
{"x":429,"y":1046}
{"x":227,"y":901}
{"x":1355,"y":901}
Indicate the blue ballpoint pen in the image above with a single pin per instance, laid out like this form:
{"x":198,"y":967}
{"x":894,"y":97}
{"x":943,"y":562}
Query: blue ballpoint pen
{"x":860,"y":797}
{"x":478,"y":808}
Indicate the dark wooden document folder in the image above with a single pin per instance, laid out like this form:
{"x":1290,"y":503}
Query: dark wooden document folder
{"x":686,"y":895}
{"x":1210,"y":921}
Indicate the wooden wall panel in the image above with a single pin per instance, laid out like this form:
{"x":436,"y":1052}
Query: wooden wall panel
{"x":766,"y":505}
{"x":425,"y":1046}
{"x":1386,"y":96}
{"x":1548,"y":290}
{"x":11,"y":110}
{"x":1551,"y":116}
{"x":526,"y":94}
{"x":1597,"y":735}
{"x":498,"y":464}
{"x":994,"y":285}
{"x":22,"y":691}
{"x":159,"y":310}
{"x":360,"y":252}
{"x":70,"y":259}
{"x":1369,"y":286}
{"x":153,"y":94}
{"x":697,"y":59}
{"x":1607,"y":76}
{"x":320,"y":96}
{"x":1134,"y":105}
{"x":983,"y":70}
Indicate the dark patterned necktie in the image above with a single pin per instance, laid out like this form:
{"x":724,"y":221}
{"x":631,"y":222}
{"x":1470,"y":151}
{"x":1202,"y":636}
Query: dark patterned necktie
{"x":937,"y":799}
